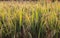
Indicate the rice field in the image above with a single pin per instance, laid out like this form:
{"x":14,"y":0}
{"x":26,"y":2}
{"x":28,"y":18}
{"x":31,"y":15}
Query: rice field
{"x":29,"y":19}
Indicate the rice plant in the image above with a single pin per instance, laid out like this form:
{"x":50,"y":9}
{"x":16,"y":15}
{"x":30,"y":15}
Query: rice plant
{"x":32,"y":20}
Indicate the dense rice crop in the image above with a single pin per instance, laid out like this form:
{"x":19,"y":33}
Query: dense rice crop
{"x":29,"y":20}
